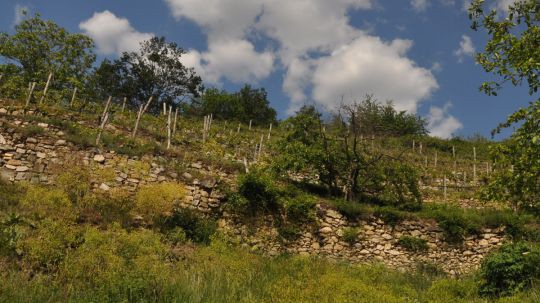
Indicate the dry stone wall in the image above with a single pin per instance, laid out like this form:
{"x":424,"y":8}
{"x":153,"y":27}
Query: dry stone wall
{"x":41,"y":157}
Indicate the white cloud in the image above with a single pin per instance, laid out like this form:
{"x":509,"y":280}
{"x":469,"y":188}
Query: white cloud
{"x":436,"y":67}
{"x":235,"y":59}
{"x":113,"y":35}
{"x":20,"y":13}
{"x":440,"y":123}
{"x":466,"y":48}
{"x":420,"y":5}
{"x":369,"y":65}
{"x":503,"y":5}
{"x":323,"y":55}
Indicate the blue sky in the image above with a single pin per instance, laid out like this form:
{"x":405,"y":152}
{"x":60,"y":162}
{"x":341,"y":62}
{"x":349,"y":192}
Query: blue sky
{"x":415,"y":52}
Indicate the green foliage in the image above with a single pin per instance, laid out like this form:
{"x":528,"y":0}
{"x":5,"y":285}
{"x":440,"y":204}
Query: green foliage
{"x":299,"y":208}
{"x":39,"y":47}
{"x":256,"y":192}
{"x":49,"y":243}
{"x":512,"y":48}
{"x":248,"y":104}
{"x":512,"y":53}
{"x":12,"y":229}
{"x":351,"y":209}
{"x":45,"y":202}
{"x":156,"y":201}
{"x":514,"y":267}
{"x":31,"y":131}
{"x":154,"y":70}
{"x":114,"y":206}
{"x":176,"y":236}
{"x":75,"y":182}
{"x":374,"y":118}
{"x":196,"y":227}
{"x":455,"y":223}
{"x":413,"y":243}
{"x":350,"y":235}
{"x":390,"y":215}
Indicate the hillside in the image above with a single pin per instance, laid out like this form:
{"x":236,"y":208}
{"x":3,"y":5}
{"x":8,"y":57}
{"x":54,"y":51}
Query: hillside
{"x":166,"y":223}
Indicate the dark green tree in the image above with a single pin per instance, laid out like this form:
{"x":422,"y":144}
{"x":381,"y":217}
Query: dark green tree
{"x":39,"y":47}
{"x":154,"y":70}
{"x":512,"y":53}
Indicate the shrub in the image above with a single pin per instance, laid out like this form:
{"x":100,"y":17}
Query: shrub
{"x":47,"y":246}
{"x":75,"y":182}
{"x":156,"y":201}
{"x":42,"y":202}
{"x":455,"y":223}
{"x":350,"y":235}
{"x":176,"y":236}
{"x":350,"y":209}
{"x":300,"y":209}
{"x":257,"y":192}
{"x":107,"y":207}
{"x":196,"y":227}
{"x":289,"y":231}
{"x":390,"y":216}
{"x":413,"y":243}
{"x":512,"y":268}
{"x":12,"y":229}
{"x":31,"y":131}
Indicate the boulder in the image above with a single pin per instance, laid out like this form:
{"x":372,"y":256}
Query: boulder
{"x":99,"y":158}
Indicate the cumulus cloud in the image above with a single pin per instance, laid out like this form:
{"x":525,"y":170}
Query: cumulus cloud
{"x":369,"y":65}
{"x":113,"y":35}
{"x":466,"y":48}
{"x":237,"y":59}
{"x":322,"y":54}
{"x":20,"y":13}
{"x":440,"y":123}
{"x":420,"y":5}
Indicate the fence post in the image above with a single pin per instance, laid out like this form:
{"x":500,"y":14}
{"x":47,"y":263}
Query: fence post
{"x":46,"y":88}
{"x":269,"y":131}
{"x":474,"y":164}
{"x":30,"y":94}
{"x":73,"y":97}
{"x":104,"y":118}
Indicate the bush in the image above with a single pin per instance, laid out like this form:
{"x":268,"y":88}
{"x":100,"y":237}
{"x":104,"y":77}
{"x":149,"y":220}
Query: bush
{"x":350,"y":209}
{"x":390,"y":216}
{"x":31,"y":131}
{"x":176,"y":236}
{"x":156,"y":201}
{"x":413,"y":243}
{"x":48,"y":245}
{"x":75,"y":182}
{"x":257,"y":192}
{"x":350,"y":235}
{"x":456,"y":223}
{"x":300,"y":209}
{"x":197,"y":228}
{"x":512,"y":268}
{"x":107,"y":207}
{"x":43,"y":202}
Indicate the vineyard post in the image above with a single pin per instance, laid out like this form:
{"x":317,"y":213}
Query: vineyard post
{"x":30,"y":94}
{"x":73,"y":97}
{"x":46,"y":88}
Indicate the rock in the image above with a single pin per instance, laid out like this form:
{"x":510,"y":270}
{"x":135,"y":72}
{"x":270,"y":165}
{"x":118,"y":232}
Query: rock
{"x":325,"y":230}
{"x":60,"y":142}
{"x":3,"y":111}
{"x":208,"y":183}
{"x":187,"y":176}
{"x":394,"y":253}
{"x":387,"y":237}
{"x":364,"y":252}
{"x":315,"y":245}
{"x":104,"y":187}
{"x":483,"y":243}
{"x":196,"y":165}
{"x":2,"y":140}
{"x":22,"y":169}
{"x":41,"y":155}
{"x":43,"y":125}
{"x":99,"y":158}
{"x":14,"y":162}
{"x":31,"y":140}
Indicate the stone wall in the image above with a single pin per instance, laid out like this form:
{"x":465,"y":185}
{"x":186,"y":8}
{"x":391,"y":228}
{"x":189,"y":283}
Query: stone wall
{"x":40,"y":158}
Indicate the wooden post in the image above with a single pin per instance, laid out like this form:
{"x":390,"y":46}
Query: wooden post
{"x":269,"y":131}
{"x":260,"y":147}
{"x":425,"y":162}
{"x":169,"y":132}
{"x":238,"y":130}
{"x":454,"y":157}
{"x":139,"y":115}
{"x":104,"y":118}
{"x":73,"y":97}
{"x":124,"y":104}
{"x":474,"y":164}
{"x":205,"y":123}
{"x":435,"y":159}
{"x":30,"y":94}
{"x":164,"y":109}
{"x":413,"y":145}
{"x":444,"y":187}
{"x":175,"y":119}
{"x":420,"y":148}
{"x":250,"y":124}
{"x":46,"y":88}
{"x":372,"y":141}
{"x":246,"y":165}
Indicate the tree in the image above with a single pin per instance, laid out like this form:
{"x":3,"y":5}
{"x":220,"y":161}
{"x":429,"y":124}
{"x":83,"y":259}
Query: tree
{"x":245,"y":105}
{"x":337,"y":157}
{"x":155,"y":70}
{"x":40,"y":47}
{"x":512,"y":53}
